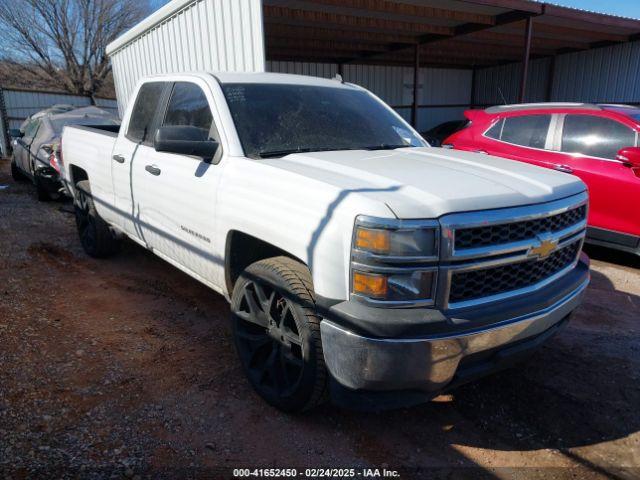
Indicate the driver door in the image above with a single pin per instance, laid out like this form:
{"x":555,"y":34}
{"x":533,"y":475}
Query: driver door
{"x":177,"y":193}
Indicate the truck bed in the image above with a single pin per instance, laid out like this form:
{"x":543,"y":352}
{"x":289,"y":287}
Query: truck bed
{"x":89,"y":148}
{"x":111,"y":130}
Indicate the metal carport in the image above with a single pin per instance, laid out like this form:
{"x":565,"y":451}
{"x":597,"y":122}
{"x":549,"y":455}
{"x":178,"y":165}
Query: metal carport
{"x":481,"y":37}
{"x":429,"y":59}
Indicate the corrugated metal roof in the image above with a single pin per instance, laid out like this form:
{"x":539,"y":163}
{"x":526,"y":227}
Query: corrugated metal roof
{"x":356,"y":31}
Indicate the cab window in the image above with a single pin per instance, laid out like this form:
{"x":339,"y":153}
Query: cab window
{"x":595,"y":136}
{"x":527,"y":130}
{"x":144,"y":112}
{"x":188,"y":106}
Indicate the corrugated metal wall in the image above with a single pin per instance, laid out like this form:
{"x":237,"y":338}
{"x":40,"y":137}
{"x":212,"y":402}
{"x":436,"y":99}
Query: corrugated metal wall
{"x":609,"y":74}
{"x":20,"y":104}
{"x":394,"y":85}
{"x":501,"y":84}
{"x":189,"y":35}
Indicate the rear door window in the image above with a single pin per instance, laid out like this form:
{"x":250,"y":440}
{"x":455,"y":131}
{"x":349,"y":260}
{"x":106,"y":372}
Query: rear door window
{"x":144,"y":113}
{"x":595,"y":136}
{"x":527,"y":130}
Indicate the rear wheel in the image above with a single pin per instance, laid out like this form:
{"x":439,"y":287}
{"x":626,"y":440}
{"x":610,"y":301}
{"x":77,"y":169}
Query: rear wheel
{"x":277,"y":334}
{"x":41,"y":192}
{"x":16,"y":174}
{"x":95,"y":235}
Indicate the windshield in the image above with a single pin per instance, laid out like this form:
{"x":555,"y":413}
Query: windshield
{"x":274,"y":120}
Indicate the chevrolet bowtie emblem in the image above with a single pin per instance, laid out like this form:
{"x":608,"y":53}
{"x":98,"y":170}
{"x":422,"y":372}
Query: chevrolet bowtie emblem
{"x":543,"y":249}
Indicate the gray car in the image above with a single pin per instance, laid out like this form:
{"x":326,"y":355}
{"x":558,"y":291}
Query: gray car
{"x":35,"y":144}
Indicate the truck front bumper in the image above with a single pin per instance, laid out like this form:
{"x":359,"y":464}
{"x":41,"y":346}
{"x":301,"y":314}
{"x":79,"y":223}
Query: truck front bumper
{"x":432,"y":362}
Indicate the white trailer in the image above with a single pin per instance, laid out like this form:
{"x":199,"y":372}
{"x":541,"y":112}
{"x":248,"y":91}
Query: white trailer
{"x":189,"y":35}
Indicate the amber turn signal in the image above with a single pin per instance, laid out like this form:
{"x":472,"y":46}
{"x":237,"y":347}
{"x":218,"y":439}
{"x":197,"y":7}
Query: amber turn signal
{"x":372,"y":240}
{"x":375,"y":286}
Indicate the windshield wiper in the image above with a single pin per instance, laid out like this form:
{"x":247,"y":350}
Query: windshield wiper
{"x":385,"y":146}
{"x":282,"y":153}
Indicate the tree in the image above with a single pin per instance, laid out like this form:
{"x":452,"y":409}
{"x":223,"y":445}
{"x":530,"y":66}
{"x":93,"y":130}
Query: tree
{"x":64,"y":41}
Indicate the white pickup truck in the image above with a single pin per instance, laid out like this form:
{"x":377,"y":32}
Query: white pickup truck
{"x":358,"y":260}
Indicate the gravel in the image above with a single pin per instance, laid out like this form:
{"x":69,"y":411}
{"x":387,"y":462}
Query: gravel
{"x":125,"y":368}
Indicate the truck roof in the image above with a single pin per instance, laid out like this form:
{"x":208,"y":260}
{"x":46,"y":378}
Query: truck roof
{"x":279,"y":78}
{"x":263,"y":77}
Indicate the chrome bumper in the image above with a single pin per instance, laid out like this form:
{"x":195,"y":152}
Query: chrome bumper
{"x":430,"y":363}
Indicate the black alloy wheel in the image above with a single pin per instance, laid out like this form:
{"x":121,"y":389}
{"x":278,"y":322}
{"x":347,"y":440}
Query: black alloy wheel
{"x":95,"y":235}
{"x":277,"y":334}
{"x":85,"y":222}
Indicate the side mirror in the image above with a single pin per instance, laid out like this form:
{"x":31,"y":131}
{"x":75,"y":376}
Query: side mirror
{"x":16,"y":133}
{"x":185,"y":140}
{"x":630,"y":156}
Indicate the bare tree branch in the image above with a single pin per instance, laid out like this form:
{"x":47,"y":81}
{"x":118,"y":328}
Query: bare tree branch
{"x":64,"y":41}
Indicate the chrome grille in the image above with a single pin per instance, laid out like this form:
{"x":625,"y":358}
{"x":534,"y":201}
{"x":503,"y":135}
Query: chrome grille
{"x":483,"y":236}
{"x":492,"y":255}
{"x":475,"y":284}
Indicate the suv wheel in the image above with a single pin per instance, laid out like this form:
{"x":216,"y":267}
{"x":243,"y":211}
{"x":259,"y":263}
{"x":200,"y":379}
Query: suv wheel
{"x":41,"y":192}
{"x":95,"y":235}
{"x":16,"y":174}
{"x":277,"y":334}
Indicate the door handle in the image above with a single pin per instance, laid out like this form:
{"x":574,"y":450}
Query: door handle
{"x":484,"y":152}
{"x":118,"y":158}
{"x":563,"y":168}
{"x":153,"y":170}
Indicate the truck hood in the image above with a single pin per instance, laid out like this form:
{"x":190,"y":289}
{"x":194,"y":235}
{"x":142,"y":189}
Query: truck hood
{"x":430,"y":182}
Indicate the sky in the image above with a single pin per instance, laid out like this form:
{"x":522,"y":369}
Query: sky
{"x":625,"y":8}
{"x":156,"y":4}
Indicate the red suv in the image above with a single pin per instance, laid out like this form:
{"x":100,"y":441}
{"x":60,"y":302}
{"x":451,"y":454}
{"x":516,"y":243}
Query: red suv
{"x":598,"y":143}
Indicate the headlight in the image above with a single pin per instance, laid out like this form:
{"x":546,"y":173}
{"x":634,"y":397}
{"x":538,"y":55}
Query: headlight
{"x":394,"y":262}
{"x":406,"y":242}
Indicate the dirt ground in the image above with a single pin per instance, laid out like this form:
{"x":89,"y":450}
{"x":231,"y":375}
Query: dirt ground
{"x":125,"y":368}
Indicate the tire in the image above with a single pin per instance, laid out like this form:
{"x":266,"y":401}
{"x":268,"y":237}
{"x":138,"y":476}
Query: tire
{"x":16,"y":174}
{"x":41,"y":192}
{"x":95,"y":235}
{"x":277,"y":334}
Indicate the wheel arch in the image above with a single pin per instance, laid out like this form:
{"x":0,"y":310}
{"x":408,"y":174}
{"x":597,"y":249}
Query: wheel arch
{"x":76,"y":174}
{"x":242,"y":249}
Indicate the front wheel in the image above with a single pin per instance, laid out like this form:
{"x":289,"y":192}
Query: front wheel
{"x":277,"y":334}
{"x":95,"y":235}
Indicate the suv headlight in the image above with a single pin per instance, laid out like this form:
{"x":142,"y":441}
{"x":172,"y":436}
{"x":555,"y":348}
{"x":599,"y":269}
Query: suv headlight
{"x":394,"y":262}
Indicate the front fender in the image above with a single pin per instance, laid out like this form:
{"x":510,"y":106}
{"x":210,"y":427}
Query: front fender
{"x":308,"y":219}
